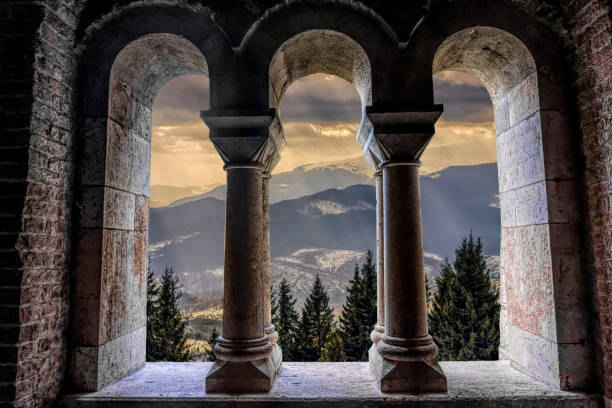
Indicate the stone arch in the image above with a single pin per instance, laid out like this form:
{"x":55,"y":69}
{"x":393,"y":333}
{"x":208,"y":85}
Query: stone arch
{"x":320,"y":51}
{"x":122,"y":68}
{"x":544,"y":330}
{"x":317,"y":51}
{"x":293,"y":27}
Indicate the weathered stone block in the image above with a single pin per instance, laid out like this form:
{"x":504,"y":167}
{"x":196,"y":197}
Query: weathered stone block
{"x":528,"y":278}
{"x":92,"y":166}
{"x":523,"y":100}
{"x":575,"y":366}
{"x":118,"y":153}
{"x":519,"y":155}
{"x":532,"y":354}
{"x":531,"y":206}
{"x":244,"y":376}
{"x":86,"y":289}
{"x":563,"y":201}
{"x":569,"y":284}
{"x":119,"y":209}
{"x":507,"y":203}
{"x":138,"y":348}
{"x":120,"y":104}
{"x":84,"y":369}
{"x":558,"y":145}
{"x":501,"y":115}
{"x":142,"y":119}
{"x":140,"y":165}
{"x":410,"y":377}
{"x":92,"y":206}
{"x":141,"y":216}
{"x":114,"y":360}
{"x":117,"y":258}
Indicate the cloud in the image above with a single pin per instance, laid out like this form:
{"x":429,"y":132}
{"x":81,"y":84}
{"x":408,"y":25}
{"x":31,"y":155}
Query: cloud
{"x":182,"y":138}
{"x":309,"y":142}
{"x":459,"y":144}
{"x":464,"y":100}
{"x":458,"y":78}
{"x":181,"y":100}
{"x":183,"y":155}
{"x":321,"y":115}
{"x":320,"y":98}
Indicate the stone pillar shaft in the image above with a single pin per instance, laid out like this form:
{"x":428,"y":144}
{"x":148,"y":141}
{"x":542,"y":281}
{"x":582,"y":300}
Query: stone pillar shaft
{"x":248,"y":358}
{"x":405,"y":311}
{"x":242,"y":306}
{"x":269,"y":329}
{"x":404,"y":358}
{"x":247,"y":361}
{"x":379,"y":328}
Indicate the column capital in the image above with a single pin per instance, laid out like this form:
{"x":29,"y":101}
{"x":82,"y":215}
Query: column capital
{"x":246,"y":135}
{"x":400,"y":135}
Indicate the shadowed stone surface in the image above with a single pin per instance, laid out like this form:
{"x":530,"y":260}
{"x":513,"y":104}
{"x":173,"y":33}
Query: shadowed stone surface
{"x":75,"y":163}
{"x":483,"y":383}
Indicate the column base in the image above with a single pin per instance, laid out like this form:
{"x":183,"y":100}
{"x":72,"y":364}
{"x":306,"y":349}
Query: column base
{"x":377,"y":333}
{"x":245,"y":376}
{"x":414,"y":377}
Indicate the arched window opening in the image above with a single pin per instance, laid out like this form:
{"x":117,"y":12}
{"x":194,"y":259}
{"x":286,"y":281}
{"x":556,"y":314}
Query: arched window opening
{"x":110,"y":287}
{"x":186,"y":219}
{"x":322,"y":222}
{"x":539,"y":263}
{"x":321,"y":80}
{"x":459,"y":199}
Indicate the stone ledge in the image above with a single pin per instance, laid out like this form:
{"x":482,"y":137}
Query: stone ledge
{"x":481,"y":383}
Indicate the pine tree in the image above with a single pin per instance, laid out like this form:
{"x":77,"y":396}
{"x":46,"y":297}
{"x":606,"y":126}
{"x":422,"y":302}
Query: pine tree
{"x":334,"y":347}
{"x":286,"y":320}
{"x":167,"y":323}
{"x":428,"y":292}
{"x":212,"y":340}
{"x":355,"y":345}
{"x":316,"y":322}
{"x":368,"y":279}
{"x":153,"y":351}
{"x":464,"y":319}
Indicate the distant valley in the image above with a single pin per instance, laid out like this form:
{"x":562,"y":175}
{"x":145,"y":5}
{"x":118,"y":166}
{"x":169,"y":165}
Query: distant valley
{"x":325,"y":230}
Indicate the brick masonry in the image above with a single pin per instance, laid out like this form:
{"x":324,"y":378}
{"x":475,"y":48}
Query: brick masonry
{"x":37,"y":93}
{"x":36,"y":165}
{"x":591,"y":30}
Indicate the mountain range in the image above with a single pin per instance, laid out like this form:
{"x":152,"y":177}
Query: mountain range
{"x":325,"y":231}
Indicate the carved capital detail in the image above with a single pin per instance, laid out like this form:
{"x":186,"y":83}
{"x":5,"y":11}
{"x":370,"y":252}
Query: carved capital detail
{"x":246,"y":135}
{"x":398,"y":135}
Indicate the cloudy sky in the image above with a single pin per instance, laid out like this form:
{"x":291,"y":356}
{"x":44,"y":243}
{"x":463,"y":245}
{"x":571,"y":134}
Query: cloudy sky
{"x":320,"y":114}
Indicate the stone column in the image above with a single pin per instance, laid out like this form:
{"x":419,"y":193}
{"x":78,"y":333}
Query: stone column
{"x":404,"y":357}
{"x":379,"y":328}
{"x":247,"y":358}
{"x":269,"y":328}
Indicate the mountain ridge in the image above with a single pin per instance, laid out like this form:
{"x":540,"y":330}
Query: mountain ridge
{"x":326,"y":232}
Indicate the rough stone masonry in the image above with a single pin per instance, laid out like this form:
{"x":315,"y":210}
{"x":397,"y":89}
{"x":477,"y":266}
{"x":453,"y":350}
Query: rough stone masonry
{"x":77,"y":82}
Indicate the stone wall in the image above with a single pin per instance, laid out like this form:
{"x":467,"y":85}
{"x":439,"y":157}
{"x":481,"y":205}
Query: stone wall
{"x":113,"y":168}
{"x":591,"y":29}
{"x":37,"y":65}
{"x":36,"y":195}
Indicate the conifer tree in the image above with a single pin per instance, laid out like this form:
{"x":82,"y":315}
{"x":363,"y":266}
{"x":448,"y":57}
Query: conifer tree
{"x":316,"y":322}
{"x":368,"y":279}
{"x":334,"y":347}
{"x":464,"y":319}
{"x":286,"y":320}
{"x":152,"y":291}
{"x":167,"y":323}
{"x":355,"y":344}
{"x":428,"y":292}
{"x":212,"y":340}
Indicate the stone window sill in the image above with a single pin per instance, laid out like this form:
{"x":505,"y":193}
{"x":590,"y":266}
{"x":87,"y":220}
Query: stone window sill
{"x":478,"y":383}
